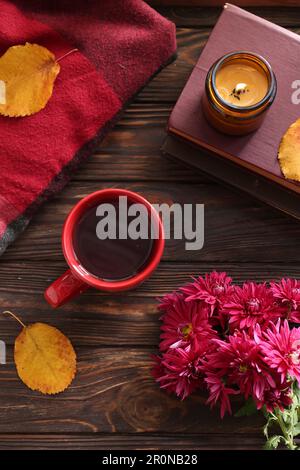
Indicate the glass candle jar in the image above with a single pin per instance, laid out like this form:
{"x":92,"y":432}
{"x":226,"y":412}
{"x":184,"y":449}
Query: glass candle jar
{"x":239,"y":89}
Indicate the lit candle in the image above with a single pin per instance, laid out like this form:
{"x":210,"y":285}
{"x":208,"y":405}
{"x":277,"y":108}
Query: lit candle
{"x":242,"y":84}
{"x":240,"y":87}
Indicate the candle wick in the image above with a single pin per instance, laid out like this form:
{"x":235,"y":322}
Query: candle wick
{"x":239,"y":89}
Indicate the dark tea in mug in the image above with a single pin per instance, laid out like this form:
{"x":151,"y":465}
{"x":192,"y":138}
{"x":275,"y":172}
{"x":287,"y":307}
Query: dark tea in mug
{"x":109,"y":255}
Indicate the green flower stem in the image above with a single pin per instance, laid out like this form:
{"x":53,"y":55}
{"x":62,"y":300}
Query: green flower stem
{"x":287,"y":432}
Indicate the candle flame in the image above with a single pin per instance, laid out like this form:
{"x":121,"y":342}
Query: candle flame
{"x":240,"y":88}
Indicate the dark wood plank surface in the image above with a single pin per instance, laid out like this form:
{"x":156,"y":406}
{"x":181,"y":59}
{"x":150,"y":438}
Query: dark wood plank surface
{"x":199,"y":17}
{"x":139,"y":441}
{"x":214,"y":3}
{"x":113,"y":402}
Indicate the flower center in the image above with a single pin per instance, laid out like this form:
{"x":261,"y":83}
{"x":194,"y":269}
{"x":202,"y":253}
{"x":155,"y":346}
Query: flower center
{"x":191,"y":371}
{"x":186,"y":330}
{"x":218,"y":289}
{"x":243,"y":368}
{"x":253,"y":304}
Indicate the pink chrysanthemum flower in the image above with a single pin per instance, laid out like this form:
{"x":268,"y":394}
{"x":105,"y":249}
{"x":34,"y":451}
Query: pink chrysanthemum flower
{"x":158,"y":371}
{"x":184,"y":323}
{"x":287,"y":294}
{"x":211,"y":289}
{"x":219,"y":392}
{"x":178,"y":370}
{"x":250,"y":304}
{"x":277,"y":397}
{"x":231,"y":340}
{"x":281,"y":347}
{"x":167,"y":301}
{"x":240,"y":360}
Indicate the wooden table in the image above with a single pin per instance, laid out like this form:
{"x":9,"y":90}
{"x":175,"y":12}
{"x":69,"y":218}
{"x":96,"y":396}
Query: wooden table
{"x":113,"y":402}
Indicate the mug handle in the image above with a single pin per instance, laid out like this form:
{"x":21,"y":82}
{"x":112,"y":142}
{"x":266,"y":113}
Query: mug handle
{"x":64,"y":289}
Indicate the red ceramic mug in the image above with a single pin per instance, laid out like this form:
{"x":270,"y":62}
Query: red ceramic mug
{"x":77,"y":279}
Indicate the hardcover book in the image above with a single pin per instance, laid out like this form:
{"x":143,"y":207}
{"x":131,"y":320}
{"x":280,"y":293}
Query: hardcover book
{"x":256,"y":153}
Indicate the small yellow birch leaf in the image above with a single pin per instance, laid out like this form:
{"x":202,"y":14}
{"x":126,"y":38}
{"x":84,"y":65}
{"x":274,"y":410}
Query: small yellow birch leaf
{"x":289,"y":152}
{"x":27,"y":75}
{"x":45,"y":358}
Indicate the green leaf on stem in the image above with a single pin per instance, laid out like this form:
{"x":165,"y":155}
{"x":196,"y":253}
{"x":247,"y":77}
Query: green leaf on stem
{"x":296,"y":430}
{"x":273,"y":442}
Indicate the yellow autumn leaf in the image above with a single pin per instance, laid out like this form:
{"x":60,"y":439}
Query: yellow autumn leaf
{"x":27,"y":75}
{"x":45,"y":358}
{"x":289,"y":152}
